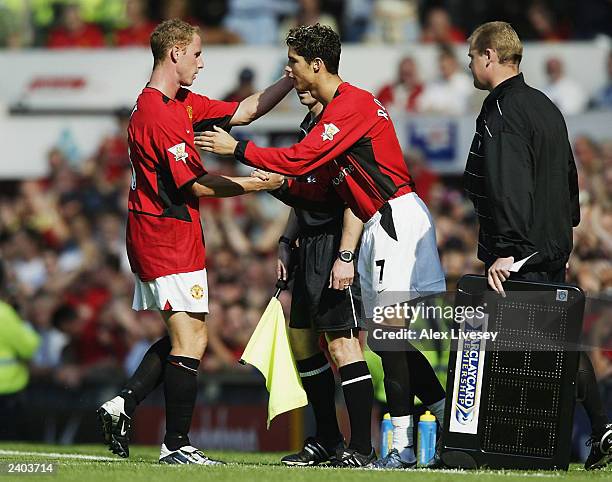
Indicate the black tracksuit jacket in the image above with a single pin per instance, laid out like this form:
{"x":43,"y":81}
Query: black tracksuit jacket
{"x":521,"y":176}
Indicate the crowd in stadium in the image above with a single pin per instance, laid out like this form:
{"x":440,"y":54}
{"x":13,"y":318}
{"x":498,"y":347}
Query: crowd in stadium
{"x":125,"y":23}
{"x":63,"y":242}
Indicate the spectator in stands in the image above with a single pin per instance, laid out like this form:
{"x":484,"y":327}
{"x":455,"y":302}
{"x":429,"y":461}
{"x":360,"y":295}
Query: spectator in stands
{"x":244,"y":88}
{"x":425,"y":179}
{"x":64,"y":326}
{"x":404,"y":93}
{"x":16,"y":29}
{"x":212,"y":30}
{"x":603,"y":97}
{"x":356,"y":19}
{"x":236,"y":330}
{"x":394,"y":22}
{"x":68,"y":322}
{"x":139,"y":26}
{"x":601,"y":340}
{"x":451,"y":92}
{"x":27,"y":260}
{"x":73,"y":31}
{"x":152,"y":329}
{"x":439,"y":29}
{"x":219,"y":356}
{"x":212,"y":13}
{"x":18,"y":344}
{"x":178,"y":9}
{"x":543,"y":22}
{"x":40,"y":314}
{"x":111,"y":160}
{"x":567,"y":94}
{"x":254,"y":21}
{"x":309,"y":13}
{"x":589,"y":160}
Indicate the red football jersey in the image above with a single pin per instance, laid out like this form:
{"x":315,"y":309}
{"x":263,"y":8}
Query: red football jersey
{"x":353,"y":148}
{"x":164,"y":233}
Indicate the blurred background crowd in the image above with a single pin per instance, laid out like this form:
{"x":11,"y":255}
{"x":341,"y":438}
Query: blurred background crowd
{"x":62,"y":238}
{"x":124,"y":23}
{"x":62,"y":241}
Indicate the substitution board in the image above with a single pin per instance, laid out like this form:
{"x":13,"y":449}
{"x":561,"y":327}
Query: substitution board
{"x":510,"y":398}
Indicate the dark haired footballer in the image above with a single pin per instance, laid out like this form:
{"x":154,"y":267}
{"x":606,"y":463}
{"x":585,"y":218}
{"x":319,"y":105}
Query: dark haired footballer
{"x":355,"y":155}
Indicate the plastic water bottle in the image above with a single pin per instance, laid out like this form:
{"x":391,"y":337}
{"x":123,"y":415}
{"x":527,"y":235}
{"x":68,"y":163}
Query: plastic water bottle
{"x":427,"y":438}
{"x":386,"y":435}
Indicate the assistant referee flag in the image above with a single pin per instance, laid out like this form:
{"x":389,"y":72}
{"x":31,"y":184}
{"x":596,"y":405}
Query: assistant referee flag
{"x":268,"y":350}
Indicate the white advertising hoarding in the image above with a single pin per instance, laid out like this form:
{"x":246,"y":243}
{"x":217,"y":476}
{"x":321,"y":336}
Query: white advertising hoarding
{"x":107,"y":78}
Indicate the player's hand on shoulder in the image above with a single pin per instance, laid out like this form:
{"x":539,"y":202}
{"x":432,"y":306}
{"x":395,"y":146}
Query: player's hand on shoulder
{"x":217,"y":141}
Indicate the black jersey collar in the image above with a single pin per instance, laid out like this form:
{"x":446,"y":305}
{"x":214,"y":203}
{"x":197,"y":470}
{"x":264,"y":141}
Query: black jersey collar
{"x":505,"y":85}
{"x":165,"y":98}
{"x":341,"y":88}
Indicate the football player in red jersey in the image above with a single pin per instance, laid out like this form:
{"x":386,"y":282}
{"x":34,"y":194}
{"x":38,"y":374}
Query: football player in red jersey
{"x":164,"y":236}
{"x":355,"y":154}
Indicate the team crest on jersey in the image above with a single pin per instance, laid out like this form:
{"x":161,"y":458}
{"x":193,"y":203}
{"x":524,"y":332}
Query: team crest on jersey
{"x":179,"y":152}
{"x":330,"y":130}
{"x":190,"y":112}
{"x":197,"y":292}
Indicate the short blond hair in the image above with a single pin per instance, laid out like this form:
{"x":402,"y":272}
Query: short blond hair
{"x":501,"y":37}
{"x":170,"y":33}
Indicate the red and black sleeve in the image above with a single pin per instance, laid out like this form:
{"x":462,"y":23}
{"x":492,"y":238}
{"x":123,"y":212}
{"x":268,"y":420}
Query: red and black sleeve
{"x":209,"y":112}
{"x":339,"y":128}
{"x":179,"y":153}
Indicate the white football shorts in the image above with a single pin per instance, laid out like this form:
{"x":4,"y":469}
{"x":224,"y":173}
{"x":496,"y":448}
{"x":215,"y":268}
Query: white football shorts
{"x":174,"y":292}
{"x":396,"y":271}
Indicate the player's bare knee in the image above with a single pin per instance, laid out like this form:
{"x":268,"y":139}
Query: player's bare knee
{"x":344,"y":349}
{"x":188,"y":334}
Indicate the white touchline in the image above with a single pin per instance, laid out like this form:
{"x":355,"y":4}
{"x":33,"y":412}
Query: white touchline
{"x":58,"y":455}
{"x":503,"y":473}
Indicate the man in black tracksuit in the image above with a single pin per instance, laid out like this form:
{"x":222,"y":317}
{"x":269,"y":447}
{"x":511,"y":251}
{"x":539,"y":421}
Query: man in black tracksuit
{"x":521,"y":176}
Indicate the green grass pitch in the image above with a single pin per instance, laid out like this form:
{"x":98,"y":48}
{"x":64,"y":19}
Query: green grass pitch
{"x":91,"y":462}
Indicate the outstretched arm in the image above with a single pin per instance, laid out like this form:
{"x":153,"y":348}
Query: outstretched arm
{"x":260,"y":103}
{"x":339,"y":129}
{"x":214,"y":185}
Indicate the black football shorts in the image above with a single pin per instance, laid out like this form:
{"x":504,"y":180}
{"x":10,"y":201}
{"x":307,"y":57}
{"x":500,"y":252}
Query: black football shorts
{"x":313,"y":304}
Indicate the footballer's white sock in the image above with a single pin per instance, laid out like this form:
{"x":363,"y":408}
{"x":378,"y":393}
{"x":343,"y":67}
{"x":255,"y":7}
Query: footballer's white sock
{"x":403,"y":437}
{"x":438,"y":410}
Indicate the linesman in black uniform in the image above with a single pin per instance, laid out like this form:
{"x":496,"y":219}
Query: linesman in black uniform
{"x":522,"y":179}
{"x":326,"y":299}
